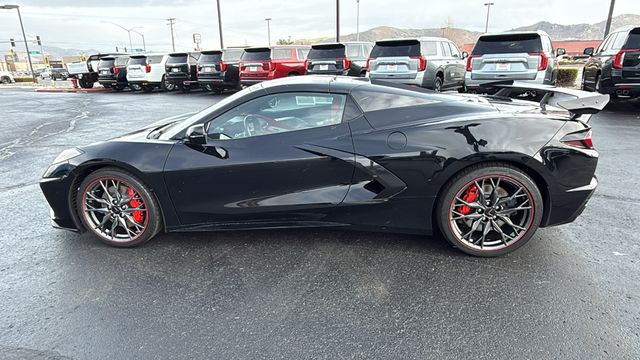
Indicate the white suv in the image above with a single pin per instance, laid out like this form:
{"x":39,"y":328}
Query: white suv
{"x":148,"y":72}
{"x":6,"y":77}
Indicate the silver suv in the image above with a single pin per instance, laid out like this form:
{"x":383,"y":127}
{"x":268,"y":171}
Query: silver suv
{"x":522,"y":56}
{"x":430,"y":62}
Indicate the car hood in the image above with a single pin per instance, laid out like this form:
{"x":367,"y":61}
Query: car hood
{"x":143,"y":133}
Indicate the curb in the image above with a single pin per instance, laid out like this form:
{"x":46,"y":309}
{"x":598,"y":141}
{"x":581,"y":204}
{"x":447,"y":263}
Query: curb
{"x":72,"y":90}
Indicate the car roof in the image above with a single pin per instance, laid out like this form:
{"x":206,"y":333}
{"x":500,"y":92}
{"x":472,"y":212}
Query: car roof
{"x":320,"y":83}
{"x":626,"y":28}
{"x":149,"y":54}
{"x":532,"y":32}
{"x":421,"y":38}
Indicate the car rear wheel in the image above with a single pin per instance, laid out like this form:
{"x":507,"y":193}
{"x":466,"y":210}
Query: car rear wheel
{"x":5,"y":80}
{"x":167,"y":85}
{"x":437,"y":83}
{"x":118,"y":208}
{"x":85,"y":83}
{"x":135,"y":87}
{"x":147,"y":88}
{"x":118,"y":87}
{"x":489,"y":209}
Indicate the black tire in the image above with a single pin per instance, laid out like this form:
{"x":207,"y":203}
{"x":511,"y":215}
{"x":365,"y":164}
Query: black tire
{"x":118,"y":87}
{"x":207,"y":87}
{"x":85,"y":83}
{"x":147,"y":88}
{"x":135,"y":87}
{"x":185,"y":88}
{"x":152,"y":217}
{"x":166,"y":85}
{"x":449,"y":211}
{"x":218,"y":90}
{"x":5,"y":80}
{"x":437,"y":83}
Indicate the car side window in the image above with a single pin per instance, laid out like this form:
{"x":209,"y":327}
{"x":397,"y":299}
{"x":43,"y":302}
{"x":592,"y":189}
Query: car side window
{"x":446,"y":51}
{"x":281,"y":54}
{"x":354,"y":51}
{"x":278,"y":113}
{"x":619,"y":41}
{"x":455,"y":52}
{"x":604,"y":44}
{"x":303,"y":53}
{"x":429,"y":48}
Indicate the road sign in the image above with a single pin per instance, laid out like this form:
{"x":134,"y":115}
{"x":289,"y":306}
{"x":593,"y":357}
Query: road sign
{"x":34,"y":52}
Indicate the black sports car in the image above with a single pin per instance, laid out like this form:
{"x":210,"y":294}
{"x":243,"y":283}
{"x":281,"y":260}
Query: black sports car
{"x":339,"y":152}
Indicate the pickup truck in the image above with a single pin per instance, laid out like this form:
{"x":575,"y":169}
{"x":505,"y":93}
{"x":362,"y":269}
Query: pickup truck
{"x":87,"y":71}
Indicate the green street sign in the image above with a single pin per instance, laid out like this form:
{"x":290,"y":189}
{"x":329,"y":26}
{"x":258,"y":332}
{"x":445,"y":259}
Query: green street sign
{"x":34,"y":52}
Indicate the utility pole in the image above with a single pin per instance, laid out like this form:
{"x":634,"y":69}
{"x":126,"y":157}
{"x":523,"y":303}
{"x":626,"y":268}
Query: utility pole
{"x":220,"y":26}
{"x":486,"y":26}
{"x":173,"y":42}
{"x":268,"y":30}
{"x":144,"y":45}
{"x":24,"y":37}
{"x":337,"y":20}
{"x":607,"y":27}
{"x":357,"y":20}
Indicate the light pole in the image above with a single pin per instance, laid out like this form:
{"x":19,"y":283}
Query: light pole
{"x":125,"y":29}
{"x":144,"y":45}
{"x":337,"y":20}
{"x":357,"y":20}
{"x":220,"y":26}
{"x":607,"y":27}
{"x":486,"y":26}
{"x":268,"y":20}
{"x":24,"y":37}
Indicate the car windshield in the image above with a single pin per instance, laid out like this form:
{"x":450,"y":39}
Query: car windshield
{"x":396,"y":48}
{"x":177,"y":59}
{"x":633,"y":41}
{"x":172,"y":130}
{"x":509,"y":43}
{"x":106,"y":63}
{"x":208,"y":58}
{"x":259,"y":54}
{"x":138,"y":60}
{"x":326,"y":52}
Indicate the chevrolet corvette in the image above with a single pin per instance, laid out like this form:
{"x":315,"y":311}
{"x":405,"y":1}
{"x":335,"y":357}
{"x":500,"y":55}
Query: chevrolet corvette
{"x":322,"y":151}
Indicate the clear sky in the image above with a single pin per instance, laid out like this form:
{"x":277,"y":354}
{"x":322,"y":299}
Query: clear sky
{"x":81,"y":24}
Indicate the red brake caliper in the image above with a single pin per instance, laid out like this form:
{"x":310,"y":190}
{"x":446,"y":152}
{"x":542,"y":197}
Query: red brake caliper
{"x":469,"y":196}
{"x":138,"y":215}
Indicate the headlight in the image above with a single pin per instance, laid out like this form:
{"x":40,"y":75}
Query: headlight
{"x":67,"y":155}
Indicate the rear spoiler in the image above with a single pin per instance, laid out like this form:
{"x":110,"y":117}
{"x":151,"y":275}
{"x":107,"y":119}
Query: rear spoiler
{"x":576,"y":102}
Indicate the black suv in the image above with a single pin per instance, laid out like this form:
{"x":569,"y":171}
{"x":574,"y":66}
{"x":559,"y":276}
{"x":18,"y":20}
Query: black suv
{"x":181,"y":70}
{"x":218,"y":69}
{"x":614,"y":68}
{"x":348,"y":58}
{"x":112,"y":72}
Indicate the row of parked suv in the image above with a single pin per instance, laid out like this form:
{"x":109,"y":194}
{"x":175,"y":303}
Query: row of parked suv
{"x":429,"y":62}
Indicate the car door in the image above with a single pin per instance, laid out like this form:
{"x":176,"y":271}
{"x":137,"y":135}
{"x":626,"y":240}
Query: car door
{"x":458,"y":67}
{"x":281,"y":157}
{"x":594,"y":65}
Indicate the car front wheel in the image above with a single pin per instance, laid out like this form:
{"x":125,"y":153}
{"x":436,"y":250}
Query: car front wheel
{"x":118,"y":208}
{"x":489,"y":209}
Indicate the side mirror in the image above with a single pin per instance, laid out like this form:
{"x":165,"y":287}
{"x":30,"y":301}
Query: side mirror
{"x":195,"y":135}
{"x":588,"y":51}
{"x":465,"y":54}
{"x":560,"y":51}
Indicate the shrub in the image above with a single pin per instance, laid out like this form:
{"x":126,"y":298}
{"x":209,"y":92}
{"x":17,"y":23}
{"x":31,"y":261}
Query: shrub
{"x":23,"y":79}
{"x":567,"y":77}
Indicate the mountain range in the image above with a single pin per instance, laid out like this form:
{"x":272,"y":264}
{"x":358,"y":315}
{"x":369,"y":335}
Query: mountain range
{"x":463,"y":36}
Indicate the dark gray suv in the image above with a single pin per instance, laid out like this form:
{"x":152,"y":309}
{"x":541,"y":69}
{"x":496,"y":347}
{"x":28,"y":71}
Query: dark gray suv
{"x":614,"y":68}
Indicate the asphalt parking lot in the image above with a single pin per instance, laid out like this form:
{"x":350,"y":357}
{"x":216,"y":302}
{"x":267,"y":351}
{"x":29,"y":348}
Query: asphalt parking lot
{"x":572,"y":292}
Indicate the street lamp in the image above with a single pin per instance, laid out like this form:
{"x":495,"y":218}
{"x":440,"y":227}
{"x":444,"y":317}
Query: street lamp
{"x":144,"y":45}
{"x":486,"y":26}
{"x":357,"y":20}
{"x":128,"y":32}
{"x":24,"y":37}
{"x":268,"y":30}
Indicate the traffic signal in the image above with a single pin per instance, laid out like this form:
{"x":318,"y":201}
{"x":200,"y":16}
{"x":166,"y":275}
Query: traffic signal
{"x":38,"y":40}
{"x":13,"y":42}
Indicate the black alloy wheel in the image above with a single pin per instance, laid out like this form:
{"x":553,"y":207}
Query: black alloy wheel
{"x":490,"y":210}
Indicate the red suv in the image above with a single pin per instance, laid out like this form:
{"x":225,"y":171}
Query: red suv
{"x":260,"y":64}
